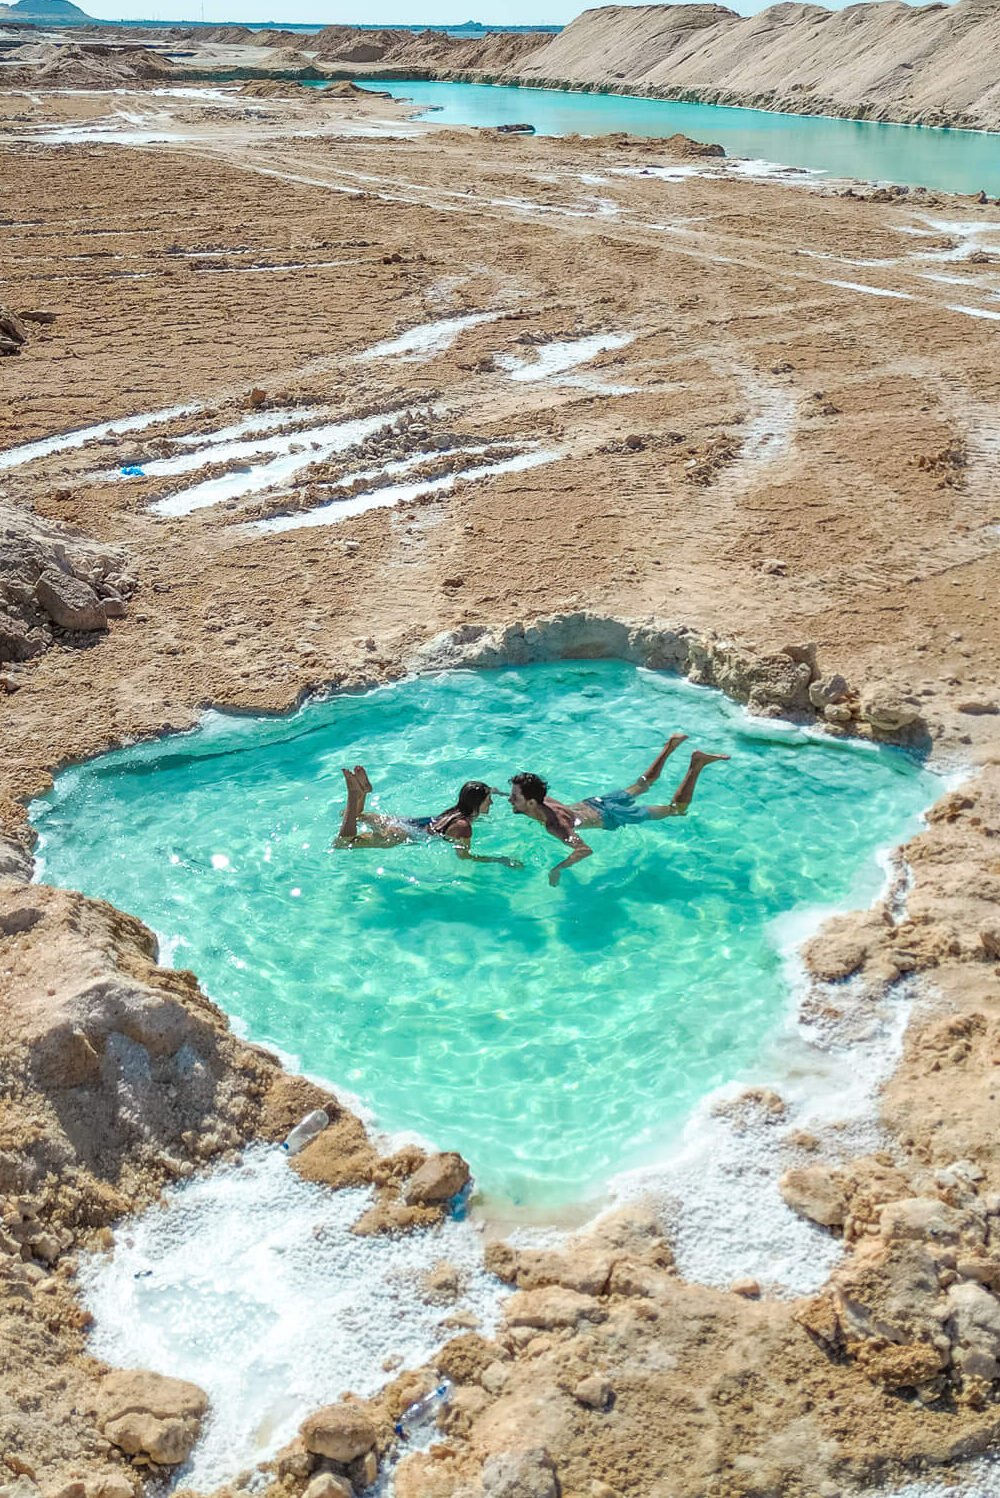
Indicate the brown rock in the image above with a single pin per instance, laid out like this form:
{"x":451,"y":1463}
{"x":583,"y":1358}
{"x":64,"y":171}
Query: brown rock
{"x":13,"y":333}
{"x":923,"y":1218}
{"x":520,"y":1474}
{"x":15,"y":862}
{"x":819,"y":1317}
{"x":110,"y":1485}
{"x":888,"y":711}
{"x":901,"y":1367}
{"x":328,"y":1485}
{"x":441,"y":1284}
{"x":814,"y":1191}
{"x":551,"y":1308}
{"x":974,"y":1324}
{"x":502,"y":1260}
{"x":828,"y":690}
{"x":466,"y":1358}
{"x":585,"y":1268}
{"x":593,"y":1391}
{"x":293,"y":1460}
{"x":990,"y":940}
{"x":69,"y":602}
{"x":390,"y":1215}
{"x":150,"y":1416}
{"x":843,"y":945}
{"x":342,"y":1432}
{"x":439,"y":1179}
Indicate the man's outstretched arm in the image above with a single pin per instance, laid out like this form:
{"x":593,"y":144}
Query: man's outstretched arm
{"x":579,"y":853}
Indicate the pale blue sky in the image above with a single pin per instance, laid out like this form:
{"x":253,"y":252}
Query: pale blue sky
{"x":369,"y":12}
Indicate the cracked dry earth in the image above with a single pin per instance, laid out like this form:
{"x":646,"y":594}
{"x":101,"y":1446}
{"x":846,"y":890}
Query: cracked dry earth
{"x":640,"y":396}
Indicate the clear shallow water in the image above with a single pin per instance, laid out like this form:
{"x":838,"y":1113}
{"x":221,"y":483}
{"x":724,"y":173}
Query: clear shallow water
{"x":555,"y":1036}
{"x":952,"y":160}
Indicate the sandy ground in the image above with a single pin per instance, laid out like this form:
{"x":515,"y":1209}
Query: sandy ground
{"x":784,"y":433}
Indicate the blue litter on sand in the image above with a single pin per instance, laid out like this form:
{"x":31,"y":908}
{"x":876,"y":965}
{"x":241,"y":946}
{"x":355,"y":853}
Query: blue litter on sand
{"x":132,"y":471}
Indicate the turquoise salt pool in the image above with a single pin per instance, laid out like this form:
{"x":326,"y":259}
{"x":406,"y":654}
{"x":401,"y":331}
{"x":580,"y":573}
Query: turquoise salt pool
{"x":952,"y":160}
{"x":555,"y":1036}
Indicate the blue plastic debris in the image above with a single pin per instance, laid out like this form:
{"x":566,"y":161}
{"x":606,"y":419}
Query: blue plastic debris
{"x":132,"y":471}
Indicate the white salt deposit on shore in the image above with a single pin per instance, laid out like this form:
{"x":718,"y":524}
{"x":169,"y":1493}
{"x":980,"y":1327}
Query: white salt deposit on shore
{"x":249,"y":1282}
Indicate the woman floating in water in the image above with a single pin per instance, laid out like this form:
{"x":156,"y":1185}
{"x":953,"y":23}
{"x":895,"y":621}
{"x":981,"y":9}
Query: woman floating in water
{"x":530,"y":797}
{"x":379,"y":831}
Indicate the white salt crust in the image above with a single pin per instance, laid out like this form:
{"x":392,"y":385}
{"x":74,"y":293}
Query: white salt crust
{"x":249,"y":1282}
{"x":15,"y":456}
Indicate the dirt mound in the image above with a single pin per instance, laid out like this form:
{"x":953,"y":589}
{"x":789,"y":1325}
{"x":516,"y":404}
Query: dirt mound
{"x":932,"y":65}
{"x":351,"y":91}
{"x":678,"y":147}
{"x":494,"y":51}
{"x":344,"y":43}
{"x":291,"y":39}
{"x":275,"y":88}
{"x":96,"y":65}
{"x":230,"y":36}
{"x":684,"y":146}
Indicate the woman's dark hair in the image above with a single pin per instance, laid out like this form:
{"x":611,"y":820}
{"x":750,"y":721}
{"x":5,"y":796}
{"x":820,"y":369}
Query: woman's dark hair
{"x":471,"y":797}
{"x":532,"y":787}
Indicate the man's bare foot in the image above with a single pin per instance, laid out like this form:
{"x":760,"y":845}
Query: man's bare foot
{"x":350,"y":776}
{"x":699,"y":758}
{"x":362,"y":778}
{"x":674,"y":742}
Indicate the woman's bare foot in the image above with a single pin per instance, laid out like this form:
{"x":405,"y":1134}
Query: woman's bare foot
{"x":362,"y":778}
{"x":674,"y":742}
{"x":699,"y":758}
{"x":351,"y":777}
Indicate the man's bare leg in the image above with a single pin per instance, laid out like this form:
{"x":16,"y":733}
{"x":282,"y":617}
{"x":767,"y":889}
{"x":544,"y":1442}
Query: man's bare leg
{"x":355,"y":805}
{"x":655,"y":770}
{"x":685,"y":791}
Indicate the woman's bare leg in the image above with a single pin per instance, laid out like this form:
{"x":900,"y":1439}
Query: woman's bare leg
{"x":655,"y":770}
{"x":377,"y":831}
{"x":685,"y":791}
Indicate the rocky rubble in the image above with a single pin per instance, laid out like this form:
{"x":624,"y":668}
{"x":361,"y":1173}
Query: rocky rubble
{"x":13,"y":333}
{"x":54,"y":582}
{"x":915,"y":1304}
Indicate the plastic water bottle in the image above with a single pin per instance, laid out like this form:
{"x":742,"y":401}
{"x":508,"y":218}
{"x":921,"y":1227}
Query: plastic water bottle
{"x":311,"y":1125}
{"x":423,"y":1410}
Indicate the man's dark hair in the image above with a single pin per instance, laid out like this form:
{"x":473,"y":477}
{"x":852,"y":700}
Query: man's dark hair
{"x":471,"y":796}
{"x":532,"y":787}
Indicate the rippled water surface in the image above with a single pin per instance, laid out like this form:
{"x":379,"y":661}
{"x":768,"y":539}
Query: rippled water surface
{"x":953,"y":160}
{"x":555,"y":1036}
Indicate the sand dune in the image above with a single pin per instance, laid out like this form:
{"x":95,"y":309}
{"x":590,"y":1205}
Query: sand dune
{"x":930,"y":64}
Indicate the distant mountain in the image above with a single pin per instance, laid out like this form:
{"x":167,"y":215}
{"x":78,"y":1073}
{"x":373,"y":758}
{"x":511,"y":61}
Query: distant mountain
{"x":46,"y":13}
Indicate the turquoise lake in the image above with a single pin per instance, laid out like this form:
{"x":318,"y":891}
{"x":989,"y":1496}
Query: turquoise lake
{"x":952,"y":160}
{"x":554,"y":1036}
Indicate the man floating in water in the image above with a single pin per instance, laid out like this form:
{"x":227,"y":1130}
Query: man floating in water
{"x":530,"y":797}
{"x":361,"y":829}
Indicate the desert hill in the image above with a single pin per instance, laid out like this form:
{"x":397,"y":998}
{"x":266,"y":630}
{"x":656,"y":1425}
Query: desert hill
{"x":45,"y":13}
{"x":930,"y":64}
